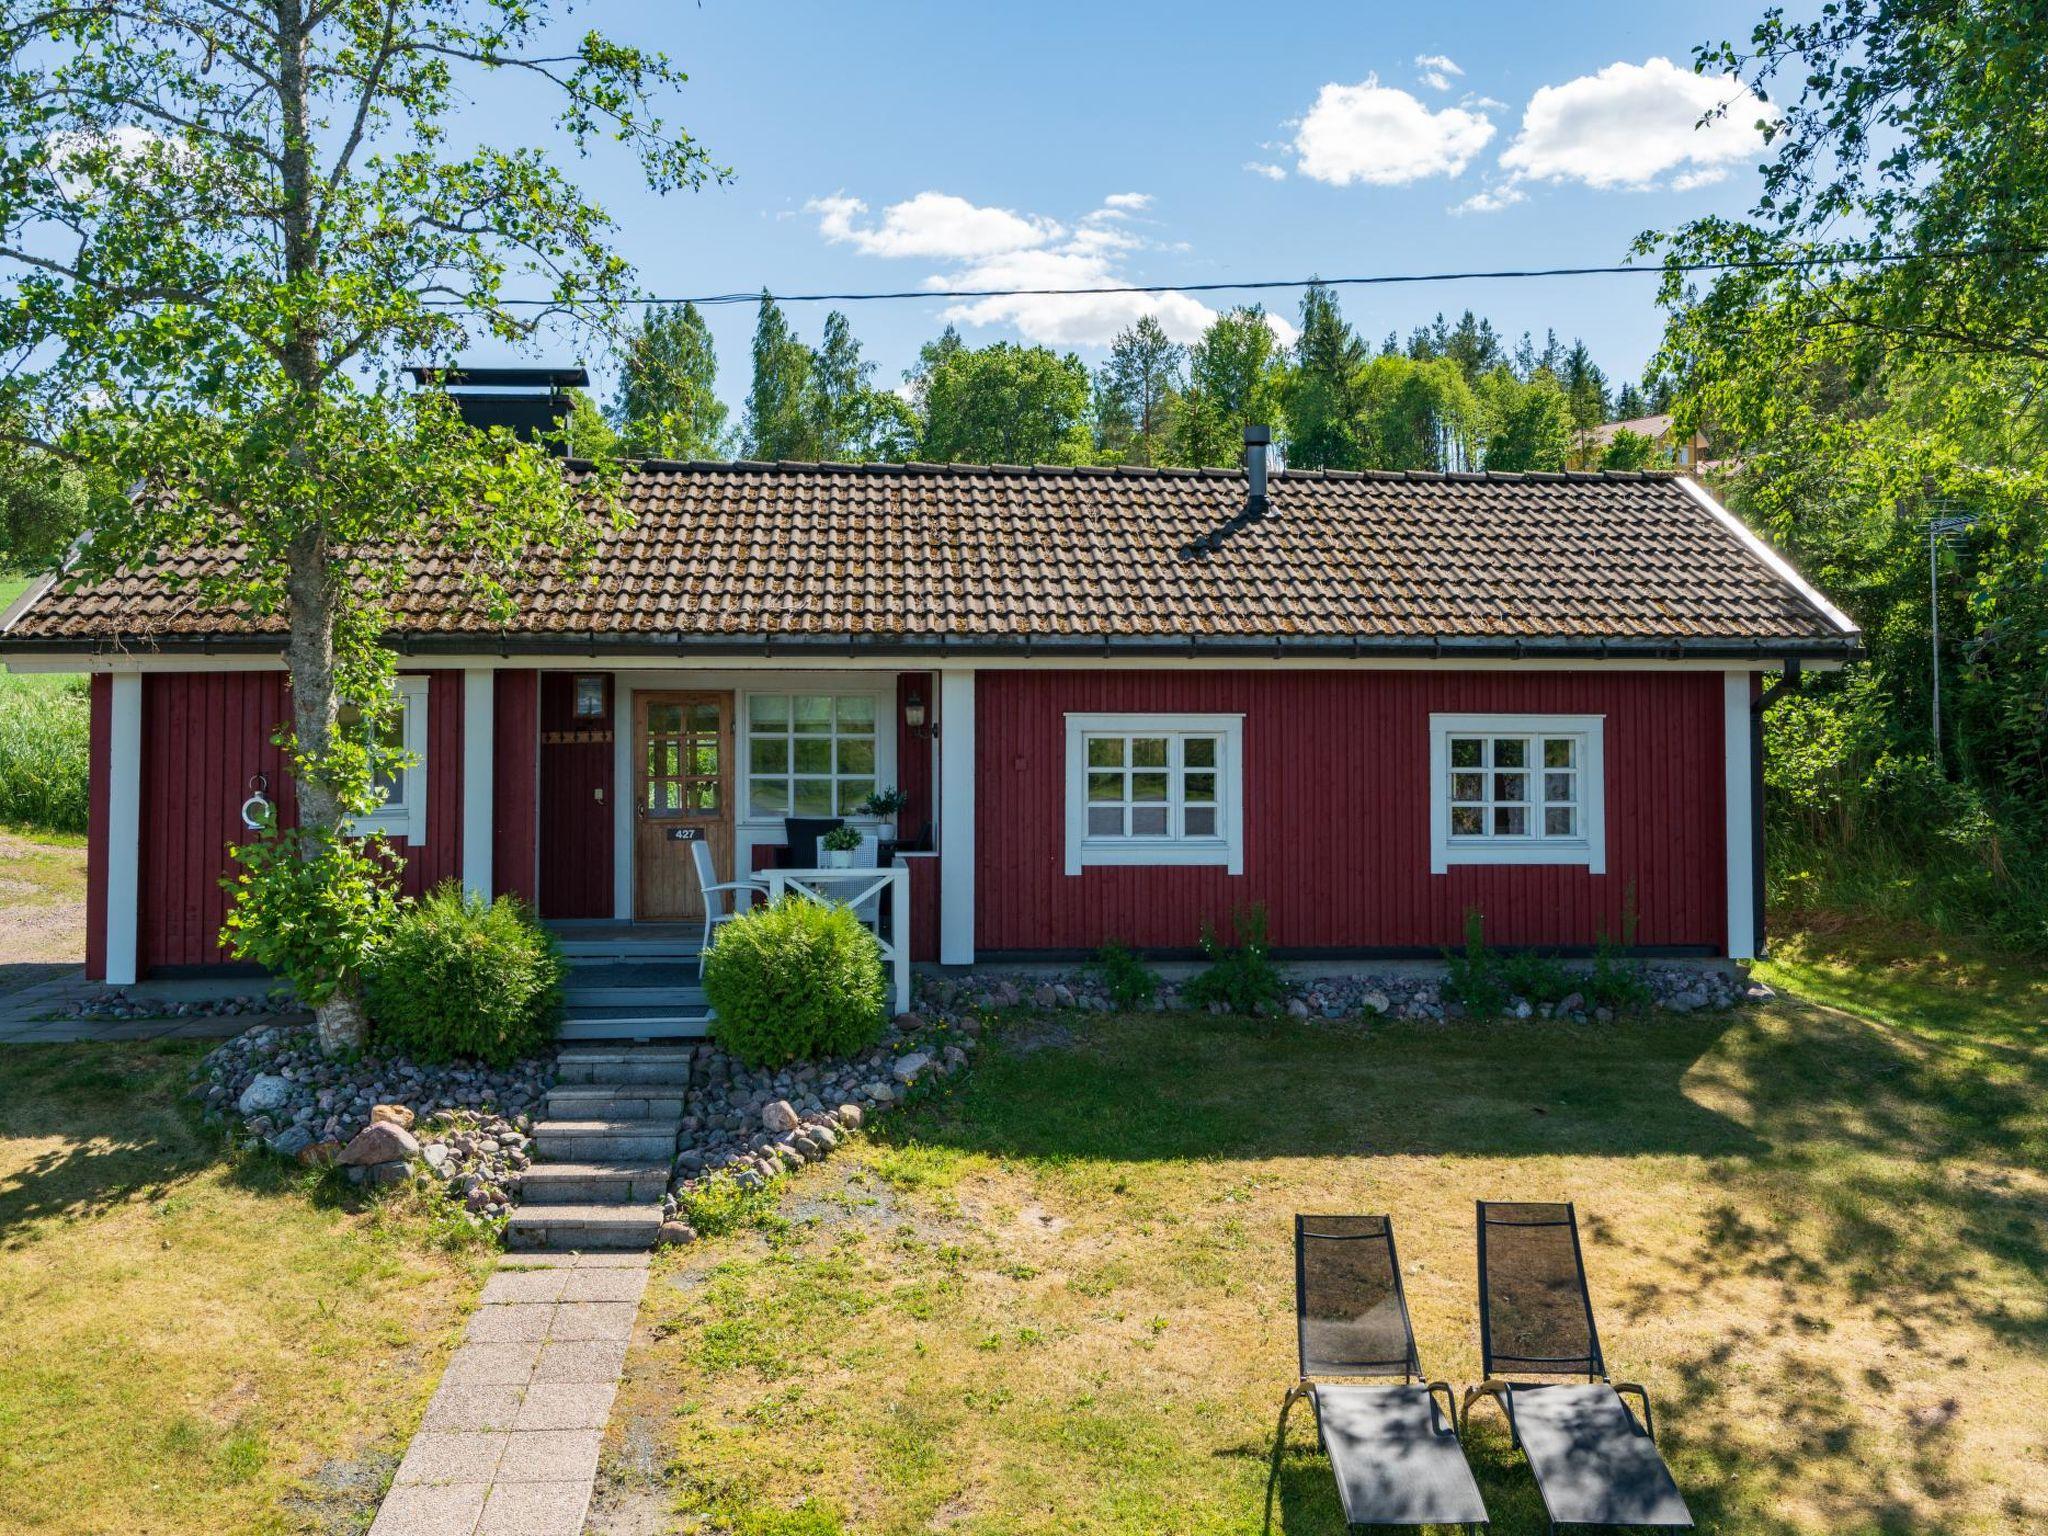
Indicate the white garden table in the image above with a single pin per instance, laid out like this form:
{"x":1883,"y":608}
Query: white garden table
{"x":858,"y":888}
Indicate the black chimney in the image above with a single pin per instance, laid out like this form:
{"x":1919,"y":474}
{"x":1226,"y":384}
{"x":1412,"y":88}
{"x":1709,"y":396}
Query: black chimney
{"x":530,"y":401}
{"x":1256,"y":441}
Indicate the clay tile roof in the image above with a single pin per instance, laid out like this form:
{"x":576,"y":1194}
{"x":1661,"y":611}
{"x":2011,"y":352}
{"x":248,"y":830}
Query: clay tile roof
{"x":964,"y":554}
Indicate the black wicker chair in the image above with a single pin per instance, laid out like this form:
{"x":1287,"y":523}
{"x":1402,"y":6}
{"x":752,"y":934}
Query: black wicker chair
{"x":1594,"y":1461}
{"x":1394,"y":1449}
{"x":800,"y":836}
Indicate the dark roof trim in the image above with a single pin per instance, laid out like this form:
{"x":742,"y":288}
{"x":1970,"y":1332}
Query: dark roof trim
{"x":1040,"y":647}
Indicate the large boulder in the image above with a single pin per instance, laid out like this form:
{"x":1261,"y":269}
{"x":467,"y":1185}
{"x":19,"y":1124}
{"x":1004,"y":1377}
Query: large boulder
{"x":396,"y":1114}
{"x":382,"y":1142}
{"x":266,"y":1092}
{"x":780,"y":1116}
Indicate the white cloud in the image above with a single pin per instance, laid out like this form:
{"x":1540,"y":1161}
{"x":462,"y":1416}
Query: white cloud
{"x":1437,"y":70}
{"x":934,"y":224}
{"x":1632,"y":124}
{"x":1374,"y":133}
{"x":1129,"y":202}
{"x":1492,"y":199}
{"x":77,"y":155}
{"x":1266,"y":169}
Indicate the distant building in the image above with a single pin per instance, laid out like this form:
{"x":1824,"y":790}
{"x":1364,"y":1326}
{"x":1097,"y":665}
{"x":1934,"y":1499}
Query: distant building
{"x":1673,"y":452}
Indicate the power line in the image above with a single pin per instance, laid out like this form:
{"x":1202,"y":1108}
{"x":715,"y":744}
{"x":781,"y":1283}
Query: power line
{"x":952,"y":295}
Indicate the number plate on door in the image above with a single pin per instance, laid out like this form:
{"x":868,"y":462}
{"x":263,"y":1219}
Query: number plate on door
{"x":686,"y":834}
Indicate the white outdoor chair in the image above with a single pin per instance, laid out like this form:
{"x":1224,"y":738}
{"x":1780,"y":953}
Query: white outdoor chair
{"x":721,"y":899}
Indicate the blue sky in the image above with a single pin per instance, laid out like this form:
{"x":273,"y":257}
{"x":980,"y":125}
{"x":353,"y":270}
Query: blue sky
{"x":901,"y":144}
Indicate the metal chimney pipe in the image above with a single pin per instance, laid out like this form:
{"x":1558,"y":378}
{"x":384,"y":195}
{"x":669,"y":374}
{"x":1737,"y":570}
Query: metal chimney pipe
{"x":1256,"y":440}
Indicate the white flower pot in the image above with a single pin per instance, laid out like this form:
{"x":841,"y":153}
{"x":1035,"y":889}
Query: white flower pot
{"x":886,"y":831}
{"x":838,"y":858}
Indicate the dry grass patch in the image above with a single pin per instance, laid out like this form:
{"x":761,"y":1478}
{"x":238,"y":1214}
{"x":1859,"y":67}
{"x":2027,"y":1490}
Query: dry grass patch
{"x":1059,"y":1299}
{"x":42,"y":904}
{"x":196,"y":1341}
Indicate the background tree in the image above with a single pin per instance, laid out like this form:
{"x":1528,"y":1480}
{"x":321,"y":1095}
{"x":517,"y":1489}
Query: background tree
{"x":1415,"y":415}
{"x":785,"y":412}
{"x":43,"y":503}
{"x":1629,"y":450}
{"x":1002,"y":404}
{"x":1236,"y":379}
{"x":1134,"y":391}
{"x":1524,"y":425}
{"x":1629,"y":404}
{"x":1322,"y":397}
{"x":222,"y":230}
{"x":855,"y":421}
{"x":667,"y":404}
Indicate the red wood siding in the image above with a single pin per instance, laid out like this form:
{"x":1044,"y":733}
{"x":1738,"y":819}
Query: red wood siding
{"x":515,"y":784}
{"x":924,"y":905}
{"x":1336,"y":785}
{"x":204,"y":735}
{"x":575,"y":802}
{"x":100,"y":723}
{"x":914,"y":757}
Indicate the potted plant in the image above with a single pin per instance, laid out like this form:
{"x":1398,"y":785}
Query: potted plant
{"x":840,"y":844}
{"x":886,"y":804}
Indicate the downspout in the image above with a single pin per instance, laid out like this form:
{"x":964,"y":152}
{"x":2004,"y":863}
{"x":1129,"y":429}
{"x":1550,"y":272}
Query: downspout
{"x":1789,"y":684}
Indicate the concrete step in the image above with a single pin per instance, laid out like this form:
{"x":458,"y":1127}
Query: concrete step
{"x":605,"y":1141}
{"x":596,"y":1065}
{"x":592,"y":1183}
{"x":636,"y":1024}
{"x":557,"y":1228}
{"x":652,"y":997}
{"x":615,"y":1101}
{"x":580,"y":952}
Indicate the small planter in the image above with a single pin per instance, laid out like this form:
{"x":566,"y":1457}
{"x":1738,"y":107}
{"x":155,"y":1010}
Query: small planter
{"x":838,"y":858}
{"x":886,"y":831}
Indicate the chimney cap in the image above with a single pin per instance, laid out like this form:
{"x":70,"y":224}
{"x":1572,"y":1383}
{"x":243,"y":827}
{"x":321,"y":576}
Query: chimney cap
{"x":1256,"y":437}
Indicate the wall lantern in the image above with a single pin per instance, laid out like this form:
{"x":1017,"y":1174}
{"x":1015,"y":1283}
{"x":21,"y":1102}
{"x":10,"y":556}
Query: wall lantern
{"x":914,"y":715}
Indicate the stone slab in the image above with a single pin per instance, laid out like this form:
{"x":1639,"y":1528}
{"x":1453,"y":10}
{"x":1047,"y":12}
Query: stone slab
{"x":577,"y":1320}
{"x":535,"y":1509}
{"x":605,"y":1285}
{"x":458,"y":1456}
{"x":534,"y":1285}
{"x":444,"y":1510}
{"x":568,"y":1405}
{"x":585,"y":1360}
{"x":486,"y":1365}
{"x":510,"y":1323}
{"x":551,"y":1456}
{"x":459,"y":1407}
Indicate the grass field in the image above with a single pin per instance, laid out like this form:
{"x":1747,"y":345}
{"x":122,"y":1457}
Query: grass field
{"x":1059,"y":1298}
{"x":42,"y":745}
{"x":193,"y":1341}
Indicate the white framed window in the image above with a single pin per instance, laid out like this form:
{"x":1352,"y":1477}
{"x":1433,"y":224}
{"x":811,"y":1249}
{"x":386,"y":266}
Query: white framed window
{"x":814,"y":754}
{"x":403,"y":815}
{"x":1517,"y":789}
{"x":1155,"y":789}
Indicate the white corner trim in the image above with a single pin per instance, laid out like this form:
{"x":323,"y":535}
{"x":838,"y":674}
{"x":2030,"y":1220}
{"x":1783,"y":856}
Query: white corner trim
{"x":625,"y":723}
{"x":124,"y":831}
{"x":479,"y":754}
{"x":1741,"y":816}
{"x":1225,"y":850}
{"x":1589,"y":849}
{"x":956,"y":816}
{"x":1778,"y":564}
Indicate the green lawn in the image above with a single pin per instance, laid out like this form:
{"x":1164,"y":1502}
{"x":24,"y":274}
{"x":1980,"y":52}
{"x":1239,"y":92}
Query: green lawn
{"x":193,"y":1341}
{"x":1059,"y":1298}
{"x":42,"y":744}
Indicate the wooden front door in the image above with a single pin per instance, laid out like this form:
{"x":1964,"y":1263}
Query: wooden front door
{"x":682,"y":793}
{"x":577,"y":829}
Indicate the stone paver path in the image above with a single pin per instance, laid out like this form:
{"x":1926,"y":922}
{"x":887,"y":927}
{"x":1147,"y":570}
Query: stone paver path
{"x":509,"y":1444}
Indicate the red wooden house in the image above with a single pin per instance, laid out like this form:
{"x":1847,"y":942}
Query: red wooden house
{"x":1121,"y":701}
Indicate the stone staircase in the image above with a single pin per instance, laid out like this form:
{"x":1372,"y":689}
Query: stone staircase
{"x":603,"y":1153}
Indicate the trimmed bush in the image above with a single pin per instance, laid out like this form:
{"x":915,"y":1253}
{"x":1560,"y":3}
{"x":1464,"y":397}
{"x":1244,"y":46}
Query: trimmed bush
{"x":795,"y":979}
{"x":461,"y":976}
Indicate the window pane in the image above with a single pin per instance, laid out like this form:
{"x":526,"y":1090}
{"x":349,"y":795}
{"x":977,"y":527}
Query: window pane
{"x":704,"y":757}
{"x":851,"y":793}
{"x":1510,"y":821}
{"x":814,"y":714}
{"x":664,"y":719}
{"x":1560,"y":821}
{"x":769,"y":797}
{"x":1149,"y":787}
{"x":1105,"y":821}
{"x":1467,"y":752}
{"x":1105,"y":786}
{"x":857,"y":713}
{"x":704,"y":718}
{"x":1199,"y":752}
{"x":1509,"y":752}
{"x":1468,"y":821}
{"x":768,"y":711}
{"x":855,"y":756}
{"x":1148,"y":821}
{"x":1511,"y":786}
{"x":1200,"y":787}
{"x":814,"y":797}
{"x":1200,"y":821}
{"x":1557,"y":787}
{"x":1105,"y":751}
{"x":1468,"y":786}
{"x":668,"y":758}
{"x":1148,"y":752}
{"x":1557,"y":752}
{"x":701,"y":795}
{"x":814,"y":754}
{"x":768,"y":754}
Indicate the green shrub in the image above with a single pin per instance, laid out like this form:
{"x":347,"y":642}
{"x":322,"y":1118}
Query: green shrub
{"x":795,"y":979}
{"x":1474,"y":978}
{"x":1613,"y":981}
{"x":1241,"y":974}
{"x":1539,"y":978}
{"x":457,"y":975}
{"x":44,"y":723}
{"x":1129,"y":984}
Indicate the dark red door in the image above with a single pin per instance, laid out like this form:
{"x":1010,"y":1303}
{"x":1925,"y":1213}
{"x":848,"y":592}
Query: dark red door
{"x":576,"y":825}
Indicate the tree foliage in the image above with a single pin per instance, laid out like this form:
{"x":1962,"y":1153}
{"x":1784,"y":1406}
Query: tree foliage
{"x":667,"y":405}
{"x":1002,"y":404}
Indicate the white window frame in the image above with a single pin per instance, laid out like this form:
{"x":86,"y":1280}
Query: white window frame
{"x":1226,"y":849}
{"x":743,"y":735}
{"x":405,"y":822}
{"x":1588,"y":848}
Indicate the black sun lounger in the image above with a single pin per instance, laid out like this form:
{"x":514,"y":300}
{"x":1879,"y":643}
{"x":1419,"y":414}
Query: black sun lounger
{"x":1594,"y":1461}
{"x":1393,"y":1448}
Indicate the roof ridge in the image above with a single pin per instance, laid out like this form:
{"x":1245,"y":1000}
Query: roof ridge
{"x":653,"y":465}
